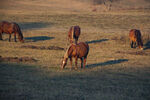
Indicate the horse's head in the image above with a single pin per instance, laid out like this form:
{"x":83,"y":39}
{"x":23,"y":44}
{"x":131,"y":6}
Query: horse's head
{"x":64,"y":62}
{"x":21,"y":37}
{"x":142,"y":49}
{"x":22,"y":41}
{"x":141,"y":46}
{"x":65,"y":58}
{"x":140,"y":43}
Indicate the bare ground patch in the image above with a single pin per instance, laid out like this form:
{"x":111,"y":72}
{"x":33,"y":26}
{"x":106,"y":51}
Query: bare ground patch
{"x":134,"y":53}
{"x":42,"y":47}
{"x":120,"y":38}
{"x":17,"y":59}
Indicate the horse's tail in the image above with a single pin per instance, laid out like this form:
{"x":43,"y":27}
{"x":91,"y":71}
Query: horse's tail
{"x":72,"y":33}
{"x":0,"y":30}
{"x":18,"y":30}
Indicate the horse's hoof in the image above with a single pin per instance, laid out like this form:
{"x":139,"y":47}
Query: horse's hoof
{"x":76,"y":68}
{"x":142,"y":49}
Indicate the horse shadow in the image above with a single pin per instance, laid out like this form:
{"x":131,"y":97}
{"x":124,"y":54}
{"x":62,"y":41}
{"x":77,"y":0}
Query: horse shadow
{"x":147,"y":45}
{"x":107,"y":63}
{"x":97,"y":41}
{"x":34,"y":25}
{"x":38,"y":38}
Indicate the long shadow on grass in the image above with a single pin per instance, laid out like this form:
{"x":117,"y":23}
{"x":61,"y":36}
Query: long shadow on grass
{"x":107,"y":63}
{"x":97,"y":41}
{"x":38,"y":38}
{"x":34,"y":25}
{"x":147,"y":45}
{"x":23,"y":82}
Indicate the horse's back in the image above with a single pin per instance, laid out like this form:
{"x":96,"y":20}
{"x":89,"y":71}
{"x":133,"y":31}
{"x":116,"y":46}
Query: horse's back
{"x":83,"y":49}
{"x":83,"y":45}
{"x":132,"y":35}
{"x":80,"y":50}
{"x":5,"y":24}
{"x":6,"y":27}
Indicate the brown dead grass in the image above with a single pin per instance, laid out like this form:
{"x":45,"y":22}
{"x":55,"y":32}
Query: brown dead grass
{"x":142,"y":53}
{"x":114,"y":70}
{"x":17,"y":59}
{"x":42,"y":47}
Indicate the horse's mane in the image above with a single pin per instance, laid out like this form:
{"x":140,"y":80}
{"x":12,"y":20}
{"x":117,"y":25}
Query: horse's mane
{"x":17,"y":28}
{"x":66,"y":53}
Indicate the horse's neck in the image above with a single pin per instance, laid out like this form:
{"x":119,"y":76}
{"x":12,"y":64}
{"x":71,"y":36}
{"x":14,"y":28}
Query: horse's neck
{"x":66,"y":55}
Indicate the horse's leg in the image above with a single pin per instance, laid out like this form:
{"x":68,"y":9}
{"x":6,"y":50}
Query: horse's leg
{"x":76,"y":40}
{"x":15,"y":37}
{"x":71,"y":62}
{"x":81,"y":62}
{"x":131,"y":43}
{"x":84,"y":62}
{"x":76,"y":60}
{"x":1,"y":36}
{"x":68,"y":40}
{"x":9,"y":37}
{"x":135,"y":44}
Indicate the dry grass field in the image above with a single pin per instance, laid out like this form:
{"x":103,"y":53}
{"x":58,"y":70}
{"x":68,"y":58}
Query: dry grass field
{"x":114,"y":71}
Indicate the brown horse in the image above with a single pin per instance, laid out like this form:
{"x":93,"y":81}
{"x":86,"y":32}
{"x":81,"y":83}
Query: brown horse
{"x":74,"y":33}
{"x":76,"y":51}
{"x":10,"y":28}
{"x":135,"y":37}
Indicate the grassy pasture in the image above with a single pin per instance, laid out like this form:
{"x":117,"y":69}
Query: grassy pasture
{"x":21,"y":82}
{"x":113,"y":71}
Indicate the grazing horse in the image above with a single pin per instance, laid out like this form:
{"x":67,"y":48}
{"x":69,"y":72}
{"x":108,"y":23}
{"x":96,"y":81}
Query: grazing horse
{"x":10,"y":28}
{"x":74,"y":33}
{"x":76,"y":51}
{"x":135,"y":37}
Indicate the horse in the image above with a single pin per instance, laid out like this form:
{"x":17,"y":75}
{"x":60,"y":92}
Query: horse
{"x":76,"y":51}
{"x":10,"y":28}
{"x":74,"y":33}
{"x":135,"y":37}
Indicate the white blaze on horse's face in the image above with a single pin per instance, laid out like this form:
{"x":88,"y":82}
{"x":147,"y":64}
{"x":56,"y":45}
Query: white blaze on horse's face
{"x":64,"y":63}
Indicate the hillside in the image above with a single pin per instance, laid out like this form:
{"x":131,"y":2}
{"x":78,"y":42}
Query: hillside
{"x":113,"y":5}
{"x":72,"y":5}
